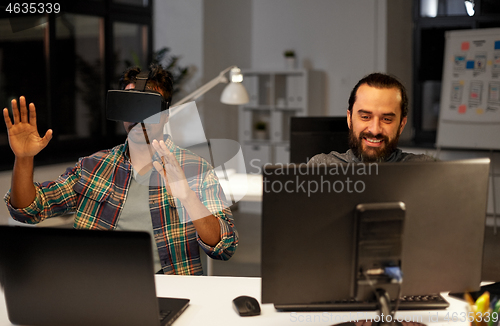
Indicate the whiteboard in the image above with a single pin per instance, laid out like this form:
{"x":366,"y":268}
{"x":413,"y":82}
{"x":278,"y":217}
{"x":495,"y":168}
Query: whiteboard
{"x":470,"y":90}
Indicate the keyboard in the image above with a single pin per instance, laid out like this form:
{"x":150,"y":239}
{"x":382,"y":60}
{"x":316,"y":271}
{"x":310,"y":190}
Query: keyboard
{"x":164,"y":314}
{"x":417,"y":302}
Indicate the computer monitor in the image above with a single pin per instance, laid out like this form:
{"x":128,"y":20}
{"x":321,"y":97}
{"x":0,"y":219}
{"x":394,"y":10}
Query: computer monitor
{"x":313,"y":135}
{"x":308,"y":227}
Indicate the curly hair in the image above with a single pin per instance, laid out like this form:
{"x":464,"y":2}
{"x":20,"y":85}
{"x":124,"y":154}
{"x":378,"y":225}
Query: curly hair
{"x":160,"y":80}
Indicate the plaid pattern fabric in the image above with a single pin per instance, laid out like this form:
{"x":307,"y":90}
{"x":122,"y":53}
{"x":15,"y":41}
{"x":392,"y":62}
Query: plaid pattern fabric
{"x":96,"y":189}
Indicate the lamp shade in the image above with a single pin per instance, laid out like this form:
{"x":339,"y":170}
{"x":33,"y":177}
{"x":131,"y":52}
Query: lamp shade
{"x":234,"y":94}
{"x":469,"y":7}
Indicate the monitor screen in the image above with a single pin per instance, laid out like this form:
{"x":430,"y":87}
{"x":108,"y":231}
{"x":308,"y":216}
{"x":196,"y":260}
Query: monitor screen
{"x":308,"y":226}
{"x":313,"y":135}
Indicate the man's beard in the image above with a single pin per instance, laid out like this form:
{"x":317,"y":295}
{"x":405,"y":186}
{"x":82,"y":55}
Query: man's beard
{"x":373,"y":154}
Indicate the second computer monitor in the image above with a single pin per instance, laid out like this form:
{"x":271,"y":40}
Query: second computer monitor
{"x":313,"y":135}
{"x":308,"y":226}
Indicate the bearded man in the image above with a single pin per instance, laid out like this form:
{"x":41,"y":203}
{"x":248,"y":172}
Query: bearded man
{"x":377,"y":115}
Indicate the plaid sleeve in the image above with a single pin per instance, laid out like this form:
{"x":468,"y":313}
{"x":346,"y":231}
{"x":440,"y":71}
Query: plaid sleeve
{"x":212,"y":196}
{"x":53,"y":198}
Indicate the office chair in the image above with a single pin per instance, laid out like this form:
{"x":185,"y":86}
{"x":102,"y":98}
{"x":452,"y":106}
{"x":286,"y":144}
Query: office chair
{"x":315,"y":135}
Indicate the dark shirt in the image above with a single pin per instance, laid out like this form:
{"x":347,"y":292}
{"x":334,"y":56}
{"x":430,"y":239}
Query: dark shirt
{"x":348,"y":157}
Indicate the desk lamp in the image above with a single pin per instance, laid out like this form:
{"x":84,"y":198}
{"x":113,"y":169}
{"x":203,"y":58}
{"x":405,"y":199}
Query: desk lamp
{"x":469,"y":6}
{"x":234,"y":93}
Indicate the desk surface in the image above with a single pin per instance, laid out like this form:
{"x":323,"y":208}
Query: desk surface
{"x":242,"y":187}
{"x":211,"y":304}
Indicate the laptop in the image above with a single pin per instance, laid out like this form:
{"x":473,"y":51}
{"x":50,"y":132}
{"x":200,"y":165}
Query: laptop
{"x":81,"y":277}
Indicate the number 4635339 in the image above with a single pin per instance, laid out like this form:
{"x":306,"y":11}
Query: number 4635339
{"x":33,"y":8}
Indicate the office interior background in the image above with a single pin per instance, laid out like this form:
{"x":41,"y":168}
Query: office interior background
{"x":65,"y":63}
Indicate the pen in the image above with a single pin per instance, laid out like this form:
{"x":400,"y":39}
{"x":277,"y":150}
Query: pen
{"x":496,"y":312}
{"x":471,"y":307}
{"x":493,"y":304}
{"x":482,"y":306}
{"x":468,"y":298}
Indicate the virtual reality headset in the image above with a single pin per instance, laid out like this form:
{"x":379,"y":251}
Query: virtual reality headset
{"x":135,"y":105}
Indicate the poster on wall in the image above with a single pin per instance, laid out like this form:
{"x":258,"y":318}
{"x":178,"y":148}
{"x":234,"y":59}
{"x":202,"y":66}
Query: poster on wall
{"x":470,"y":91}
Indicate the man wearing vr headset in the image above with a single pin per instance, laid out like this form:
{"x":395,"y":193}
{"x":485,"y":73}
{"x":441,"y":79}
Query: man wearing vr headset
{"x":148,"y":183}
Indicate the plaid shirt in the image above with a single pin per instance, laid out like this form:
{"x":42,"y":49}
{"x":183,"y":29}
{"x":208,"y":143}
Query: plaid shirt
{"x":96,"y":189}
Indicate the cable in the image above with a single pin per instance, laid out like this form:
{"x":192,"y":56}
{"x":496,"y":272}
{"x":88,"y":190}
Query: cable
{"x":398,"y":300}
{"x":396,"y":274}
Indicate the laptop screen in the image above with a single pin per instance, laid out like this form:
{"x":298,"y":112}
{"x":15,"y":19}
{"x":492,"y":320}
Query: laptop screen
{"x":77,"y":277}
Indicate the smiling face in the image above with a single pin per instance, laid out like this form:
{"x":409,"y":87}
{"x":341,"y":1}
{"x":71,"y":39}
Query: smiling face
{"x":375,"y":123}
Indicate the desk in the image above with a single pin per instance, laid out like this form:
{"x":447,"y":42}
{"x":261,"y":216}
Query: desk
{"x":211,"y":304}
{"x":246,"y":187}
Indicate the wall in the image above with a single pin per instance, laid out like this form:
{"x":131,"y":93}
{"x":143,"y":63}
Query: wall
{"x":209,"y":36}
{"x":227,"y":41}
{"x":345,"y":39}
{"x":398,"y":50}
{"x":337,"y":37}
{"x":179,"y":26}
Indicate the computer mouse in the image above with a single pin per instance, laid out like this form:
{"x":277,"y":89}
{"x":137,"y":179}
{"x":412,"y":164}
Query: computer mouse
{"x":246,"y":306}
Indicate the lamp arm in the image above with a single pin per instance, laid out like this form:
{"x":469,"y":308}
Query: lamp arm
{"x":205,"y":88}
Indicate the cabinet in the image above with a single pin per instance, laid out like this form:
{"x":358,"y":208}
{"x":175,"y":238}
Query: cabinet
{"x":264,"y":122}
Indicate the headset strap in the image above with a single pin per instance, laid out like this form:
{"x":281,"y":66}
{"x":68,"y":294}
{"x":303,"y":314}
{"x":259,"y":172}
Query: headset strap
{"x":142,"y":79}
{"x":140,"y":85}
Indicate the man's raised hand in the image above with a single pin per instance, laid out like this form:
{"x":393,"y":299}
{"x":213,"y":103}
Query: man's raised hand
{"x":171,"y":171}
{"x":24,"y":139}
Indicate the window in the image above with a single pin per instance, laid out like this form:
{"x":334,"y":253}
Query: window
{"x":139,"y":3}
{"x":79,"y":74}
{"x":434,"y":8}
{"x":65,"y":64}
{"x":432,"y":18}
{"x":23,"y":71}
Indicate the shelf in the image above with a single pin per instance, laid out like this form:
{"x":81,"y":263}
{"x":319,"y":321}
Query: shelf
{"x":271,"y":108}
{"x":289,"y":109}
{"x":273,"y":72}
{"x":275,"y":97}
{"x":257,"y":142}
{"x":259,"y":108}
